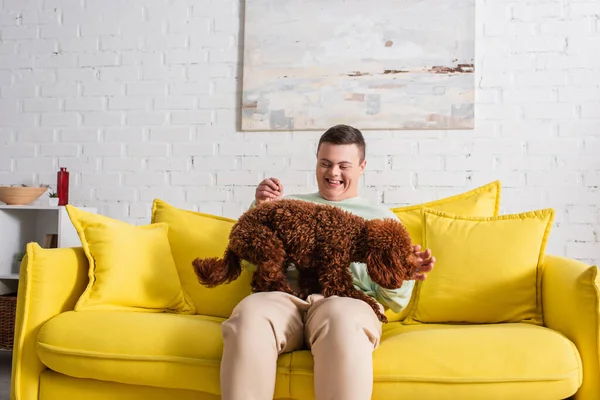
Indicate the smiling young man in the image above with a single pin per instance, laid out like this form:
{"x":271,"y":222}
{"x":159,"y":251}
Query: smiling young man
{"x":340,"y":332}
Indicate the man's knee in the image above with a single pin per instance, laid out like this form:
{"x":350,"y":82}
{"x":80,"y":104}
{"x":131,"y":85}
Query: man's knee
{"x":344,"y":319}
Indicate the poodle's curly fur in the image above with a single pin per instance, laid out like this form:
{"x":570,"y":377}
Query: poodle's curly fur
{"x":320,"y":241}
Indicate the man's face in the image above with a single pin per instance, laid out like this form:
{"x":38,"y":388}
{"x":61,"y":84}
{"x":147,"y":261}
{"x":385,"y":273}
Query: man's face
{"x":338,"y":171}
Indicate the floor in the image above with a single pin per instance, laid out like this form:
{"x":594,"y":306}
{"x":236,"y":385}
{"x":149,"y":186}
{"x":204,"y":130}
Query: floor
{"x":5,"y":367}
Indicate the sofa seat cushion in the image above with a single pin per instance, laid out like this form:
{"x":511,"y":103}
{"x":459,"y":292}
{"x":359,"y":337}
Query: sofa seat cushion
{"x":503,"y":361}
{"x":162,"y":350}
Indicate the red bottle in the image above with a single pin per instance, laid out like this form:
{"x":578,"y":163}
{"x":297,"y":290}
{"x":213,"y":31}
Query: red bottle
{"x":63,"y":186}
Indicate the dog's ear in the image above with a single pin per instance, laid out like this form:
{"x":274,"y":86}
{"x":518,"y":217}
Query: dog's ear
{"x":389,"y":255}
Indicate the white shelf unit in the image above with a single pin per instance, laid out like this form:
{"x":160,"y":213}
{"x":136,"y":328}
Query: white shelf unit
{"x":20,"y":225}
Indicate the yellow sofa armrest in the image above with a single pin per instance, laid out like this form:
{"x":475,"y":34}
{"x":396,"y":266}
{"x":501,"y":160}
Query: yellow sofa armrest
{"x":571,"y":301}
{"x":51,"y":282}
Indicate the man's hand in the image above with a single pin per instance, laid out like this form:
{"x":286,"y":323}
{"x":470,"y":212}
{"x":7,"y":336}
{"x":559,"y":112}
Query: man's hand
{"x":426,"y":260}
{"x":268,"y":190}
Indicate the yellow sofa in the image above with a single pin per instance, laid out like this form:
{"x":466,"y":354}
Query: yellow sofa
{"x":60,"y":353}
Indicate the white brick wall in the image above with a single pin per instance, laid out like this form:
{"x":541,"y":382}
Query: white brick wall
{"x":139,"y":100}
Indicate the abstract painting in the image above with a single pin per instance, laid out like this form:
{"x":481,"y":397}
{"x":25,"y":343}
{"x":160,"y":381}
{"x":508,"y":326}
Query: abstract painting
{"x":377,"y":64}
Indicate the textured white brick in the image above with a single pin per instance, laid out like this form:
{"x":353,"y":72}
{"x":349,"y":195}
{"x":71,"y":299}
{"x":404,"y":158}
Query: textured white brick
{"x":439,"y":178}
{"x":102,"y":89}
{"x":59,"y":90}
{"x":85,"y":104}
{"x":55,"y":61}
{"x":122,"y":164}
{"x":271,"y":164}
{"x":549,"y":178}
{"x":592,"y":178}
{"x":119,"y":73}
{"x":59,"y":150}
{"x":116,"y":194}
{"x":533,"y":95}
{"x":241,"y":148}
{"x":170,"y":73}
{"x":5,"y":166}
{"x":124,"y":135}
{"x":208,"y":193}
{"x":31,"y":47}
{"x":524,"y":163}
{"x":59,"y":119}
{"x":239,"y":178}
{"x":175,"y":103}
{"x":590,"y":110}
{"x":215,"y":163}
{"x":78,"y":135}
{"x":171,"y":194}
{"x":540,"y":78}
{"x":146,"y":89}
{"x":33,"y":17}
{"x":185,"y":56}
{"x":17,"y":150}
{"x":56,"y":32}
{"x":36,"y":136}
{"x":508,"y":178}
{"x":439,"y":147}
{"x":553,"y":146}
{"x":80,"y":164}
{"x":102,"y":150}
{"x":191,"y":117}
{"x":190,"y":88}
{"x":145,"y":178}
{"x":191,"y":179}
{"x":478,"y":162}
{"x":584,"y":8}
{"x":147,"y":150}
{"x":194,"y":149}
{"x":204,"y":71}
{"x":589,"y":250}
{"x":168,"y":164}
{"x":498,"y":146}
{"x":111,"y":180}
{"x":146,"y":118}
{"x":34,"y":164}
{"x":414,"y":163}
{"x":18,"y":90}
{"x":171,"y":134}
{"x":98,"y":59}
{"x":165,"y":42}
{"x":582,"y":215}
{"x":129,"y":103}
{"x":120,"y":43}
{"x":17,"y":178}
{"x":18,"y":32}
{"x":546,"y":111}
{"x":387,"y":178}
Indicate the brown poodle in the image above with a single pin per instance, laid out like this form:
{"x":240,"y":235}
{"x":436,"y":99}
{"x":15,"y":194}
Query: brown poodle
{"x":321,"y":241}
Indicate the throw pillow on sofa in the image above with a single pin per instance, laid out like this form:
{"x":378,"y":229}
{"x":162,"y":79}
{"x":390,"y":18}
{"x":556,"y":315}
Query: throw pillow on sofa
{"x":194,"y":234}
{"x":131,"y":267}
{"x":483,"y":201}
{"x":488,"y":269}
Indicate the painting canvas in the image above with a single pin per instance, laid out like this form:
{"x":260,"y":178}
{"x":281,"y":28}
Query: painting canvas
{"x":378,"y":64}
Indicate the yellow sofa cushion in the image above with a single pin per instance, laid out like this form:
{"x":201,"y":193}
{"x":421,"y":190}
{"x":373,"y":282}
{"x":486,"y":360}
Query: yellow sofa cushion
{"x":419,"y":361}
{"x":130,"y":267}
{"x":488,"y":269}
{"x":483,"y":201}
{"x":194,"y":234}
{"x":162,"y":350}
{"x":449,"y":362}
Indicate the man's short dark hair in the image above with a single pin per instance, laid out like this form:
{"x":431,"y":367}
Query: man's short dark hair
{"x":344,"y":134}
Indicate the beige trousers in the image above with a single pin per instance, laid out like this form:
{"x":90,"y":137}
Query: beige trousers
{"x":340,"y":332}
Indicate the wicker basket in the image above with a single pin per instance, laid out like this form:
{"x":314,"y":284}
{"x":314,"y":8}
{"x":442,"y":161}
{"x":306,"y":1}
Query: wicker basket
{"x":8,"y":308}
